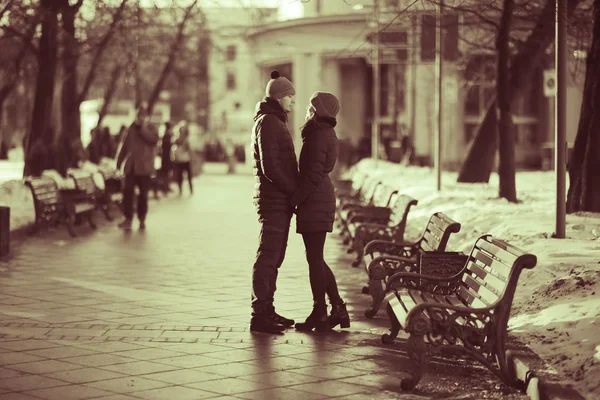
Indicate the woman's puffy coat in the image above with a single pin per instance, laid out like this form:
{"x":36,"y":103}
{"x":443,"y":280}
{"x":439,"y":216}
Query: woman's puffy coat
{"x":314,"y":196}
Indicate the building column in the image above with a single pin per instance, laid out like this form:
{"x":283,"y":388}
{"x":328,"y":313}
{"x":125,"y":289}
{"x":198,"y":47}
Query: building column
{"x":306,"y":70}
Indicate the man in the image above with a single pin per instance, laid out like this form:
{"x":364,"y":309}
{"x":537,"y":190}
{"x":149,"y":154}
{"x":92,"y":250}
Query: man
{"x":166,"y":163}
{"x":137,"y":152}
{"x":276,"y":171}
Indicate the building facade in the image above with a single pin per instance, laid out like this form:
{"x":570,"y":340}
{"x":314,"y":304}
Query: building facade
{"x":325,"y":45}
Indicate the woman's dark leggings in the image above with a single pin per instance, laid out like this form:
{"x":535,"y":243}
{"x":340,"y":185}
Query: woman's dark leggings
{"x":321,"y":277}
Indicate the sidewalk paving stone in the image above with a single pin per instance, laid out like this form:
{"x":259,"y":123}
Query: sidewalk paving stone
{"x":164,"y":313}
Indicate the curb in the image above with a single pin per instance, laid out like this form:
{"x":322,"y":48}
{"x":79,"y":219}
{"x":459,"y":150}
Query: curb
{"x":533,"y":386}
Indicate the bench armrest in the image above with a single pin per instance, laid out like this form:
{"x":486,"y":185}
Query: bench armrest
{"x":372,"y":219}
{"x":426,"y":283}
{"x":399,"y":249}
{"x":372,"y":211}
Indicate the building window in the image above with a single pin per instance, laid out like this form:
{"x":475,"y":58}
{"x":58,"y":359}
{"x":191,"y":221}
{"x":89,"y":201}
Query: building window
{"x":231,"y":81}
{"x":428,"y":38}
{"x":449,"y":37}
{"x":480,"y":77}
{"x":231,"y":53}
{"x":384,"y":94}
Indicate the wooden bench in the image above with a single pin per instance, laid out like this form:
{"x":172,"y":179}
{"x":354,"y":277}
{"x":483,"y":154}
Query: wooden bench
{"x":113,"y":192}
{"x":383,"y":258}
{"x":49,"y":210}
{"x":352,"y":186}
{"x":80,"y":202}
{"x":378,"y":208}
{"x":466,"y":313}
{"x":388,"y":223}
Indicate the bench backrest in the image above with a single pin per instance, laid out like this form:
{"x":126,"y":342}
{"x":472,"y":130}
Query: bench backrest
{"x":437,"y":232}
{"x":383,"y":195}
{"x":369,"y":189}
{"x":358,"y":180}
{"x":85,"y":183}
{"x":44,"y":190}
{"x":491,"y":274}
{"x":400,"y":208}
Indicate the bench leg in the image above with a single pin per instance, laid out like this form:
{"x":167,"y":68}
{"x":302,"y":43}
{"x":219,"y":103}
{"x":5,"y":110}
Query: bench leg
{"x":417,"y":352}
{"x":377,"y":293}
{"x":359,"y":248}
{"x":70,"y":220}
{"x":90,"y":219}
{"x":106,"y":211}
{"x":394,"y":328}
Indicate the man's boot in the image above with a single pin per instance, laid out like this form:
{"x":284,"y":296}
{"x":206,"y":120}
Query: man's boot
{"x":266,"y":323}
{"x":279,"y":318}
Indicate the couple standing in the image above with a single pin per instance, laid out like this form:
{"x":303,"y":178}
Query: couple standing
{"x":284,"y":187}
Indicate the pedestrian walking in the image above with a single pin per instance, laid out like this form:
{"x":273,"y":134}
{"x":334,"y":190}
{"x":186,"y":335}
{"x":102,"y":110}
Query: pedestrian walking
{"x":166,"y":163}
{"x":276,"y":170}
{"x":135,"y":157}
{"x":314,"y":200}
{"x":182,"y":157}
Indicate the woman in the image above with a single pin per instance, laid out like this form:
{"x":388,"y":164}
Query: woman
{"x":182,"y":158}
{"x":314,"y":201}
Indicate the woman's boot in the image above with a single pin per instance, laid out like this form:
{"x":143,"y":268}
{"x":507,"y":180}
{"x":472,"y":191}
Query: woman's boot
{"x":317,"y":320}
{"x":339,"y":316}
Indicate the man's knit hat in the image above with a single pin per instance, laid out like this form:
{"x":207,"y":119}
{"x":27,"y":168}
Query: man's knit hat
{"x":279,"y":87}
{"x":325,"y":104}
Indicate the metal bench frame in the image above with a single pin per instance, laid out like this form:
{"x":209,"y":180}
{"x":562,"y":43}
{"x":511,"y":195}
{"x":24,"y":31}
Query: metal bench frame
{"x":466,"y":313}
{"x":403,"y":256}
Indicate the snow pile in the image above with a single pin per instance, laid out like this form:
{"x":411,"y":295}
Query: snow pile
{"x":18,"y":197}
{"x":557,"y":305}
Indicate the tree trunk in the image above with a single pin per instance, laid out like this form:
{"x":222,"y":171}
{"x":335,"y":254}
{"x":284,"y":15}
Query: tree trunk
{"x":70,"y":115}
{"x":506,"y":134}
{"x":170,"y":60}
{"x":479,"y":162}
{"x":44,"y":91}
{"x":584,"y":188}
{"x":110,"y":91}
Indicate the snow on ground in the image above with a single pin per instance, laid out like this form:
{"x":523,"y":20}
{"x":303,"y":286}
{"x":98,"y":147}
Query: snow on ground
{"x":556,"y":309}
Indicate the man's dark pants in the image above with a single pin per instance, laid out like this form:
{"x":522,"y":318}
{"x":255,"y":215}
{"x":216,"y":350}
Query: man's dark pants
{"x":274,"y":232}
{"x":143,"y":184}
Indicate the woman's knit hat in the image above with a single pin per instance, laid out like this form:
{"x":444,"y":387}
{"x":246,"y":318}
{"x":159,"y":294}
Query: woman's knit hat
{"x":279,"y":87}
{"x":325,"y":104}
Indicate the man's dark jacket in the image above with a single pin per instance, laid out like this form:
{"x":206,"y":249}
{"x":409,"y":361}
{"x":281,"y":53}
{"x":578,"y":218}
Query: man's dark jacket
{"x":275,"y":166}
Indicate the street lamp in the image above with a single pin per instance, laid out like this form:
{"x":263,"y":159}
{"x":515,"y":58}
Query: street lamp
{"x":560,"y":113}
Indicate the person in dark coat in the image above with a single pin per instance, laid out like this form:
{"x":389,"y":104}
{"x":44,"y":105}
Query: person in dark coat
{"x":135,"y":157}
{"x":276,"y":171}
{"x":314,"y":200}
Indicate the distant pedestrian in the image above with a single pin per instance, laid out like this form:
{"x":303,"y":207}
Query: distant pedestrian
{"x":315,"y":204}
{"x":276,"y":172}
{"x":166,"y":163}
{"x":182,"y":157}
{"x":136,"y":155}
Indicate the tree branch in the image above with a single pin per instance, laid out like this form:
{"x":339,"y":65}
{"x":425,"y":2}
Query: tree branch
{"x":99,"y":52}
{"x":6,"y":8}
{"x":169,"y":65}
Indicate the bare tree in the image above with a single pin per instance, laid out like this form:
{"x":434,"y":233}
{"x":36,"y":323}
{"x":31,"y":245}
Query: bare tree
{"x":584,"y":189}
{"x":170,"y":59}
{"x":13,"y":69}
{"x":71,"y":96}
{"x":506,"y":133}
{"x":479,"y":162}
{"x":44,"y":92}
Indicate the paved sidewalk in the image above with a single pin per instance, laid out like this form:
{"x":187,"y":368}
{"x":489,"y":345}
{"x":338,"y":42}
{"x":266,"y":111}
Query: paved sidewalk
{"x":163,"y":314}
